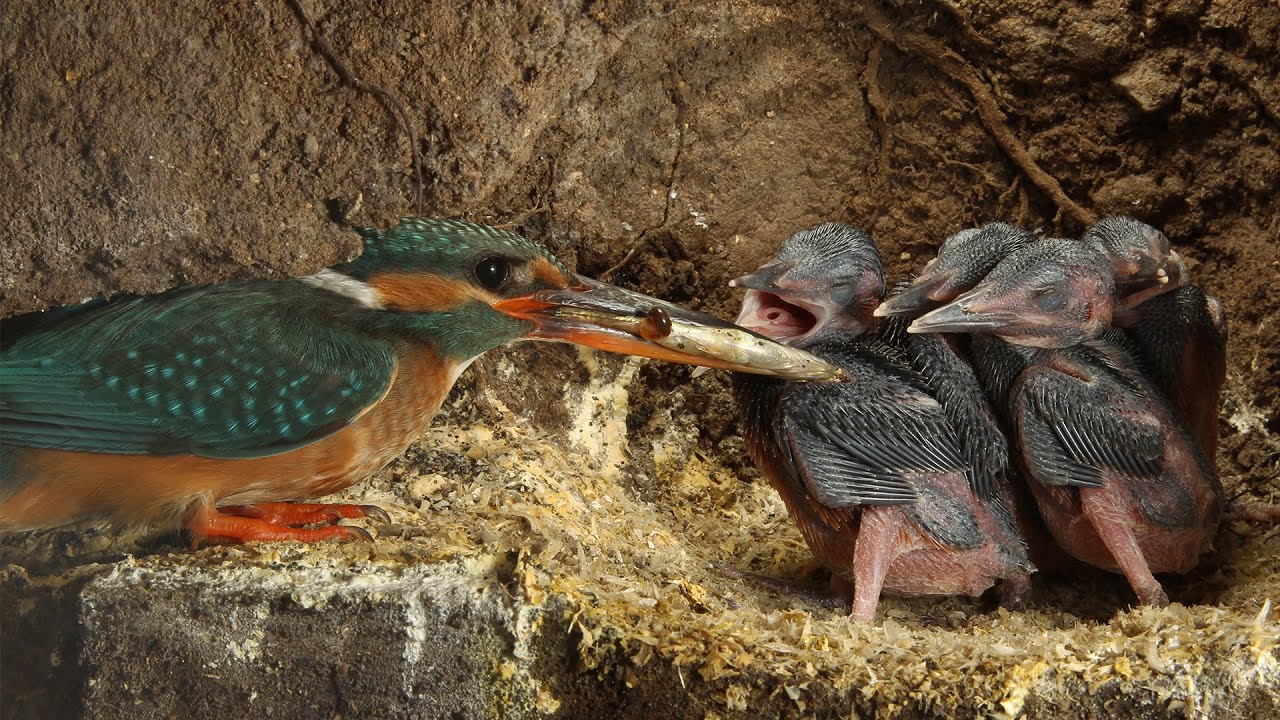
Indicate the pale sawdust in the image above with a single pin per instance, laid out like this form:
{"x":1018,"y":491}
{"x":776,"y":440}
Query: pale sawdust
{"x":641,"y":580}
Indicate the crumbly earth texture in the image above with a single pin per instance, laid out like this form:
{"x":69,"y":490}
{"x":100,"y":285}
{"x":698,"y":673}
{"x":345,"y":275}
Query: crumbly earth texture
{"x":558,"y":532}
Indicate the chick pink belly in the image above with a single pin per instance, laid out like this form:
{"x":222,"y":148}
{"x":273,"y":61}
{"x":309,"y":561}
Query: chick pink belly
{"x":943,"y":571}
{"x":1164,"y":549}
{"x":923,"y":567}
{"x":920,"y":566}
{"x":58,"y":486}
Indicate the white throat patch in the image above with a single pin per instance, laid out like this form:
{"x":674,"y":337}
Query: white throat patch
{"x":346,"y":286}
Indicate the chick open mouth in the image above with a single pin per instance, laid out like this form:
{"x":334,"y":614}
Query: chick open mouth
{"x":776,"y":318}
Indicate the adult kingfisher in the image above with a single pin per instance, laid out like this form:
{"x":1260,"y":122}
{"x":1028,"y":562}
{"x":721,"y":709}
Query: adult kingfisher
{"x":209,"y":406}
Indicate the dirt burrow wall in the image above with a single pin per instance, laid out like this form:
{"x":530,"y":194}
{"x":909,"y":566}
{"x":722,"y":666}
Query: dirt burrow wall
{"x":211,"y":141}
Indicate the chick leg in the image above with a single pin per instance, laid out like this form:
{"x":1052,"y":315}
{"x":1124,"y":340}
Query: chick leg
{"x":1110,"y":520}
{"x":875,"y":549}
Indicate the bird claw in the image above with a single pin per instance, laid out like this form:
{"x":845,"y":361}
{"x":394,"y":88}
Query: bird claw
{"x":354,"y":533}
{"x":275,"y":522}
{"x":376,"y":514}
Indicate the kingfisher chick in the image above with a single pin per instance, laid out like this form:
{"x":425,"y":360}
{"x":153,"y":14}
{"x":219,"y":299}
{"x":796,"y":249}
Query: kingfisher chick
{"x":870,"y":469}
{"x":947,"y":362}
{"x":962,"y":261}
{"x":1117,"y":477}
{"x":211,"y":405}
{"x":1178,"y":331}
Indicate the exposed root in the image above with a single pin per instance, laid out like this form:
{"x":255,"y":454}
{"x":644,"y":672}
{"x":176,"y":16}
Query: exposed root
{"x":1005,"y":196}
{"x":879,"y":109}
{"x":643,"y":239}
{"x":640,"y":242}
{"x":988,"y":110}
{"x":961,"y":16}
{"x":321,"y":45}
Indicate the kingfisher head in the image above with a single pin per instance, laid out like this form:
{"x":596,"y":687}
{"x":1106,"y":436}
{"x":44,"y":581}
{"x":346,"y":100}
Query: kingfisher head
{"x":466,"y":288}
{"x":963,"y":260}
{"x":1053,"y":294}
{"x":825,"y":279}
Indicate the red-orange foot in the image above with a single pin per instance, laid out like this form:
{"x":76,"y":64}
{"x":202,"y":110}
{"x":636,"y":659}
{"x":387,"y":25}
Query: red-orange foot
{"x":297,"y":514}
{"x":274,"y":522}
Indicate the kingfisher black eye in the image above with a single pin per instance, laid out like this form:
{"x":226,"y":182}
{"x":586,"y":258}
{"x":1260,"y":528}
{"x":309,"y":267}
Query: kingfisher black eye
{"x":492,"y":272}
{"x":1050,"y":299}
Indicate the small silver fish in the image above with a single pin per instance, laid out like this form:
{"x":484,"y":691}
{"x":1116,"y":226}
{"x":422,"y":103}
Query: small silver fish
{"x":720,"y":342}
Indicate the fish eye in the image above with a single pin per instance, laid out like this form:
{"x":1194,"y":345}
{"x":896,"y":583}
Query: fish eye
{"x":493,"y":272}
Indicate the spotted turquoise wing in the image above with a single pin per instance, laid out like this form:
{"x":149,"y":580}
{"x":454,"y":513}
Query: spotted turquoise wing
{"x":233,"y":371}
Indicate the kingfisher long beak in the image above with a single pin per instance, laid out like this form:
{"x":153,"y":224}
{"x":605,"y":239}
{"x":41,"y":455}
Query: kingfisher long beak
{"x":610,"y":318}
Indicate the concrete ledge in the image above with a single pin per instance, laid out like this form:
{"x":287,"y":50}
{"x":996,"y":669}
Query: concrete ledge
{"x":161,"y":638}
{"x":228,"y":634}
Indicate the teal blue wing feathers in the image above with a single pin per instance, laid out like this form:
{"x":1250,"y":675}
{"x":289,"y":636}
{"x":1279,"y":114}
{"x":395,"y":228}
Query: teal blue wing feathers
{"x":233,"y":371}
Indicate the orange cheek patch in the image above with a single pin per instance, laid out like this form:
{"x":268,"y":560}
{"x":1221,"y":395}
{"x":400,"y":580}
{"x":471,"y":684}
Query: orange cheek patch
{"x":424,"y":293}
{"x":546,"y":272}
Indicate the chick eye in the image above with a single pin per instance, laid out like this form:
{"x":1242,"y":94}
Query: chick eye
{"x":1050,"y":299}
{"x":492,"y":272}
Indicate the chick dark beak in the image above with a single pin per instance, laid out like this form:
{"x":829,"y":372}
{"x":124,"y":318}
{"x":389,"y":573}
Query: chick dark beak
{"x":807,"y":287}
{"x":969,"y":313}
{"x":768,"y":277}
{"x":607,"y":317}
{"x":1151,"y":279}
{"x":925,"y":292}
